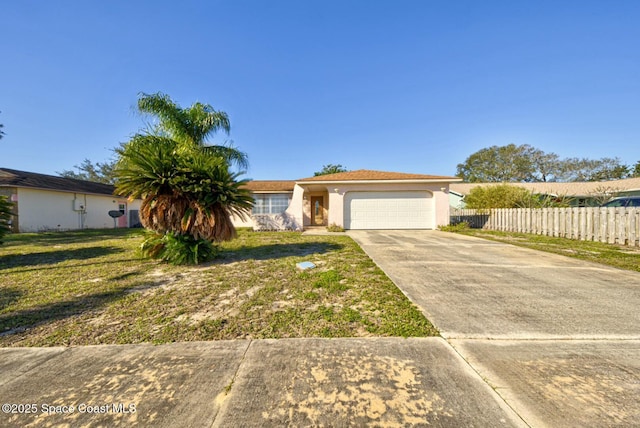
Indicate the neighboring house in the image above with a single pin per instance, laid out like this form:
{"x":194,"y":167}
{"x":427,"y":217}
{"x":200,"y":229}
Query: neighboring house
{"x":45,"y":202}
{"x":360,"y":199}
{"x":579,"y":194}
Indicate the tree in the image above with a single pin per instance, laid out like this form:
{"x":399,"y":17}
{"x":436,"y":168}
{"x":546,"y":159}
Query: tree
{"x":101,"y":172}
{"x":5,"y":217}
{"x":507,"y":196}
{"x":330,"y":169}
{"x":603,"y":193}
{"x":191,"y":126}
{"x":187,"y":189}
{"x":509,"y":163}
{"x":524,"y":163}
{"x":575,"y":169}
{"x":635,"y":172}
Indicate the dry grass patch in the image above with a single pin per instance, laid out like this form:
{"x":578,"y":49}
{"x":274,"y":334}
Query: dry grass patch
{"x":91,"y":287}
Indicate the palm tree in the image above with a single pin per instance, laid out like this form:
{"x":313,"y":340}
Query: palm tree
{"x":187,"y":189}
{"x":191,"y":126}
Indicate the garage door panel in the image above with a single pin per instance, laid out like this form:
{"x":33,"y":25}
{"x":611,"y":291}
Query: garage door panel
{"x":389,"y":210}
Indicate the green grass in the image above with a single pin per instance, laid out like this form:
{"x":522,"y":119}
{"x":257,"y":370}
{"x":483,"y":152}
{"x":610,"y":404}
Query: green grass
{"x":93,"y":287}
{"x":619,"y":256}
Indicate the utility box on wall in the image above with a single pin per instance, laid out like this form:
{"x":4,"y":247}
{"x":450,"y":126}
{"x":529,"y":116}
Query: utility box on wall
{"x":78,"y":205}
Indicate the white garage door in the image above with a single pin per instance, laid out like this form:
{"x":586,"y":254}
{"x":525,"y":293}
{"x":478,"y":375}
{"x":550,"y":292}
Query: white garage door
{"x":388,"y":210}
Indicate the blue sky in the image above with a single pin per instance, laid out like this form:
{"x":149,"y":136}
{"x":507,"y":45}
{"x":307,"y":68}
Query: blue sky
{"x":409,"y":86}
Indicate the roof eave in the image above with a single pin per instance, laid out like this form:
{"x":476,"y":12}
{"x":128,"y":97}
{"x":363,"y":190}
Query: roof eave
{"x":270,"y":191}
{"x":411,"y":180}
{"x":48,"y":189}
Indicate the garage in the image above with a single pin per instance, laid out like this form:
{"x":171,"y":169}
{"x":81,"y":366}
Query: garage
{"x":389,"y":210}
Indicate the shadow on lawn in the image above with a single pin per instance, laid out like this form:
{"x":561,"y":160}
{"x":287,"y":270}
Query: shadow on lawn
{"x":50,"y":257}
{"x":68,"y":237}
{"x":9,"y":296}
{"x":20,"y":320}
{"x":276,"y":251}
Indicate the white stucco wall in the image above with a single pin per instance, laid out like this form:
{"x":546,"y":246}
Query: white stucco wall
{"x":337,"y":193}
{"x":240,"y":222}
{"x":40,"y":210}
{"x":296,"y":206}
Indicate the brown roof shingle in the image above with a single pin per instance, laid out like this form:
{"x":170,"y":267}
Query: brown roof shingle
{"x":584,"y":188}
{"x":369,"y":175}
{"x":15,"y":178}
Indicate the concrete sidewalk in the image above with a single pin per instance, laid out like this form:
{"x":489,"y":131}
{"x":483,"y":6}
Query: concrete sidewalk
{"x":557,"y":338}
{"x":261,"y":383}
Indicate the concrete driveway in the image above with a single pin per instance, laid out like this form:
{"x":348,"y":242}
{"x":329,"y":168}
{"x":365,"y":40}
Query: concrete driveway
{"x":557,"y":338}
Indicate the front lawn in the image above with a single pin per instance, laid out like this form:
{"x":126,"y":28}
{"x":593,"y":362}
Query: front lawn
{"x":92,"y":287}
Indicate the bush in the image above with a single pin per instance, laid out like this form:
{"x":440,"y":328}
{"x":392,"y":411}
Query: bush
{"x":459,"y":227}
{"x":5,"y":216}
{"x":509,"y":196}
{"x":335,"y":228}
{"x":178,"y":249}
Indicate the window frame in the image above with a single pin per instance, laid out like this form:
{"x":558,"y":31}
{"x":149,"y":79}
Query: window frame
{"x":264,"y":203}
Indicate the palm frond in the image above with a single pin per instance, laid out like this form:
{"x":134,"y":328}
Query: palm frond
{"x":186,"y":187}
{"x":191,"y":125}
{"x":229,"y":153}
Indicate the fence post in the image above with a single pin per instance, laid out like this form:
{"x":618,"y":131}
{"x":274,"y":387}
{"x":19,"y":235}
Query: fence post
{"x":634,"y":227}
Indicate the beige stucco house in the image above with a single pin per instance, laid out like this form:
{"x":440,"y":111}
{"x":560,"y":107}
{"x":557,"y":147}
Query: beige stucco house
{"x":45,"y":202}
{"x":362,"y":199}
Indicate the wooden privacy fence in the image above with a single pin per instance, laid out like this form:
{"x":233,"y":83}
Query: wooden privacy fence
{"x":610,"y":225}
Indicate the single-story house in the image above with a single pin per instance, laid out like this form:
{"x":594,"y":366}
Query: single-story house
{"x":361,"y":199}
{"x":46,"y":202}
{"x":579,"y":194}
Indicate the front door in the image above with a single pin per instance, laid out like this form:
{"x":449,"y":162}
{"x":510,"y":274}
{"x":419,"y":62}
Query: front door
{"x":122,"y":220}
{"x":317,"y":210}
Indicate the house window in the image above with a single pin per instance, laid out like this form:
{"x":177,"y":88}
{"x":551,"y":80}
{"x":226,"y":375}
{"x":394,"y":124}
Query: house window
{"x":271,"y":203}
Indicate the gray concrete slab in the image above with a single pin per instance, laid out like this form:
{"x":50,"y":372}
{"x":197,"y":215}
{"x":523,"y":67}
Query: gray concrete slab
{"x":174,"y":385}
{"x":474,"y":288}
{"x":486,"y":297}
{"x":266,"y":383}
{"x":387,"y":382}
{"x":562,"y":383}
{"x":15,"y":362}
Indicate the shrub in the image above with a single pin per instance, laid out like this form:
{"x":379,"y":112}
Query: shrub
{"x":459,"y":227}
{"x":335,"y":228}
{"x":178,"y":249}
{"x":509,"y":196}
{"x":5,"y":216}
